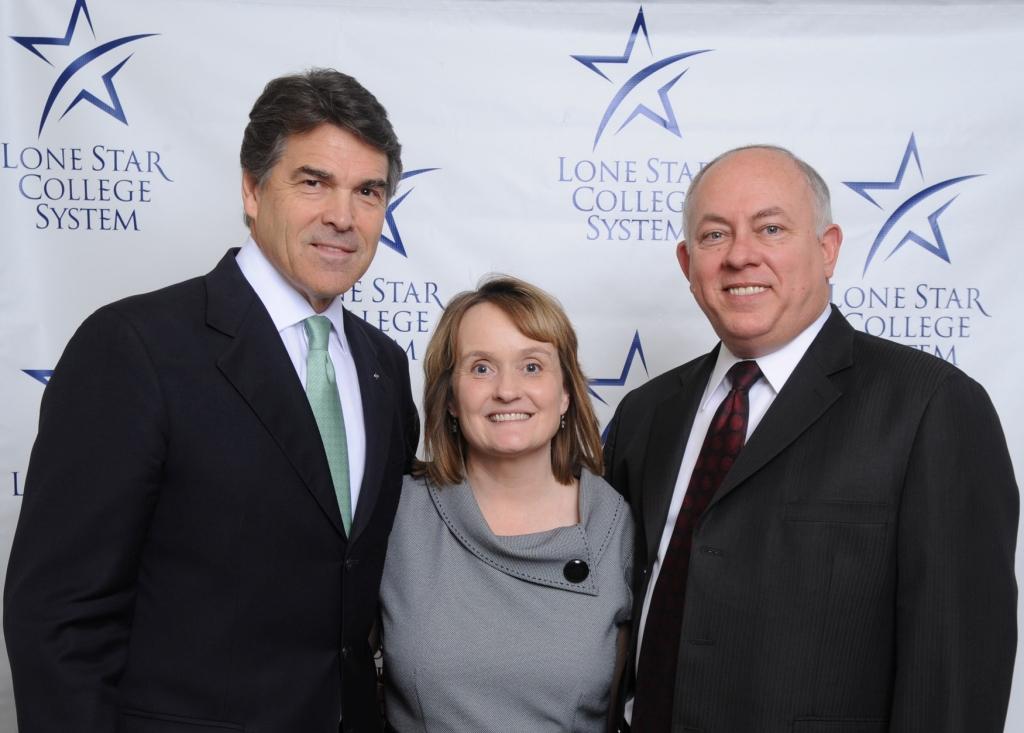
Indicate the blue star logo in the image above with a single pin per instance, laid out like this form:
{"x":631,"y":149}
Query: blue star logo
{"x":394,"y":241}
{"x":108,"y":99}
{"x":41,"y":375}
{"x":907,"y":215}
{"x":636,"y":349}
{"x":642,"y":86}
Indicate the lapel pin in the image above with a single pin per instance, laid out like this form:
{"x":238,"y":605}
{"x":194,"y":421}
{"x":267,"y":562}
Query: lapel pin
{"x":376,"y":376}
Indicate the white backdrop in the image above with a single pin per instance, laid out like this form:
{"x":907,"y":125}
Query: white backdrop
{"x":550,"y":140}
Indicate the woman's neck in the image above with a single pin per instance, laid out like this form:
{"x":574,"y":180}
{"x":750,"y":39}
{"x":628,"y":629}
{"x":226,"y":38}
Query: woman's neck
{"x":521,"y":495}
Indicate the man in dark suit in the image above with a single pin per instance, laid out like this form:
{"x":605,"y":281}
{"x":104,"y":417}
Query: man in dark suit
{"x":849,"y":568}
{"x":201,"y":544}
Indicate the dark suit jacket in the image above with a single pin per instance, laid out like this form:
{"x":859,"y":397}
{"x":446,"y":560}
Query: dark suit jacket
{"x":180,"y":562}
{"x":854,"y":572}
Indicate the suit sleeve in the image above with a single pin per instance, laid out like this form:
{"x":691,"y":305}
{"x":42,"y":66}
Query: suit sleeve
{"x":609,"y":447}
{"x":614,"y":472}
{"x":956,"y":595}
{"x":92,"y":483}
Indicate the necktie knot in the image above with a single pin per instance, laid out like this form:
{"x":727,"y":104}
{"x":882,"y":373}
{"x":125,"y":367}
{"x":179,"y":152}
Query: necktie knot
{"x":318,"y":329}
{"x":743,"y":374}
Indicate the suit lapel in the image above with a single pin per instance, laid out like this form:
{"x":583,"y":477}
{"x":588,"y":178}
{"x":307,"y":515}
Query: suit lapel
{"x":257,"y":364}
{"x":377,"y":395}
{"x":807,"y":394}
{"x":670,"y":429}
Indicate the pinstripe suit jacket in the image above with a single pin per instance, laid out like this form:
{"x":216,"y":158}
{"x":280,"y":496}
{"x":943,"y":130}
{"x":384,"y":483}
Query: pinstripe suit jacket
{"x":855,"y":571}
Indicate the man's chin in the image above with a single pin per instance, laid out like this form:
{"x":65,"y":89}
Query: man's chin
{"x":747,"y":341}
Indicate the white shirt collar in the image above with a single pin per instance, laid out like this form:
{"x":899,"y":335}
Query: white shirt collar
{"x":286,"y":305}
{"x":776,"y":366}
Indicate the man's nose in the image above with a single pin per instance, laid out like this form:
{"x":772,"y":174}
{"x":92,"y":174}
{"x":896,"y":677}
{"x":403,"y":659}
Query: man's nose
{"x":744,"y":250}
{"x":338,"y":211}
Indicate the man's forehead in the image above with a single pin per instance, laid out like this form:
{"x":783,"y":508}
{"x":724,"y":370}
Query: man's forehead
{"x":761,"y":181}
{"x":754,"y":164}
{"x":326,"y":145}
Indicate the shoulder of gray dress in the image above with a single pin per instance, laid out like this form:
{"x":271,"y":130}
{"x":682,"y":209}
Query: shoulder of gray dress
{"x":609,"y":520}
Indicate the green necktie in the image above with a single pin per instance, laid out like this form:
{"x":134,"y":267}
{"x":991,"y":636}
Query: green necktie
{"x":322,"y":391}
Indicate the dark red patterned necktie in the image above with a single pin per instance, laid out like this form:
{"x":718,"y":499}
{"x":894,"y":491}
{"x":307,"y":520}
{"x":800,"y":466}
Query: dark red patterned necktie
{"x":656,"y":672}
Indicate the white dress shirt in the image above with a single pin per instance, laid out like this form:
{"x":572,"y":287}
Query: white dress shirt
{"x":288,"y":309}
{"x":775,"y":368}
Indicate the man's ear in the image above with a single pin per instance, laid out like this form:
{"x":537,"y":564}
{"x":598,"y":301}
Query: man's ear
{"x":831,"y":241}
{"x":250,"y":195}
{"x":683,"y":255}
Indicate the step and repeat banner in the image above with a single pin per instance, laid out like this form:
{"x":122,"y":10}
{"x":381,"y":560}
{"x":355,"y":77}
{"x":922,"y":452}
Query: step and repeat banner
{"x":550,"y":140}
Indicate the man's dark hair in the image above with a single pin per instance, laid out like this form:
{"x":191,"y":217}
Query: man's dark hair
{"x":298,"y":103}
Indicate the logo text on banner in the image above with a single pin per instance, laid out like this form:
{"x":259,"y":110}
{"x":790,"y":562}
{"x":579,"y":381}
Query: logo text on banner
{"x":933,"y":316}
{"x":625,"y":196}
{"x":74,"y":186}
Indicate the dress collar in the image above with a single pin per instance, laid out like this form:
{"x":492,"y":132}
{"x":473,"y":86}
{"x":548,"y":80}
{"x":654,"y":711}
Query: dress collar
{"x":540,"y":557}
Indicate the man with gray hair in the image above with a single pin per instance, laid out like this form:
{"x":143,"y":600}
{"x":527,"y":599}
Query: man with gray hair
{"x":219,"y":462}
{"x":826,"y":520}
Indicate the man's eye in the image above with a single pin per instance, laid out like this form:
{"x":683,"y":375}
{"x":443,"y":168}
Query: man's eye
{"x":312,"y":182}
{"x":533,"y":368}
{"x":371,"y":192}
{"x":712,"y":236}
{"x":772,"y":229}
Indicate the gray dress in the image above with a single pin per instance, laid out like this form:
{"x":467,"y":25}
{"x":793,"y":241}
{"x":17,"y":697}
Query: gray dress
{"x":489,"y":633}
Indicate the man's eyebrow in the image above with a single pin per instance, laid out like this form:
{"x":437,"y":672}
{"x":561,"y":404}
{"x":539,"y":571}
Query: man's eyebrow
{"x":374,"y":183}
{"x":713,"y":218}
{"x":769,"y":212}
{"x":308,"y":170}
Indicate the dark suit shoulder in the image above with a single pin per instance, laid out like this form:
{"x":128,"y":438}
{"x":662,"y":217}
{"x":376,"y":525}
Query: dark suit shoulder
{"x":161,"y":302}
{"x":885,"y":363}
{"x":168,"y":322}
{"x":168,"y":294}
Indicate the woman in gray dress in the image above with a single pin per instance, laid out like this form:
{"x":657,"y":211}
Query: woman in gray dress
{"x":506,"y":591}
